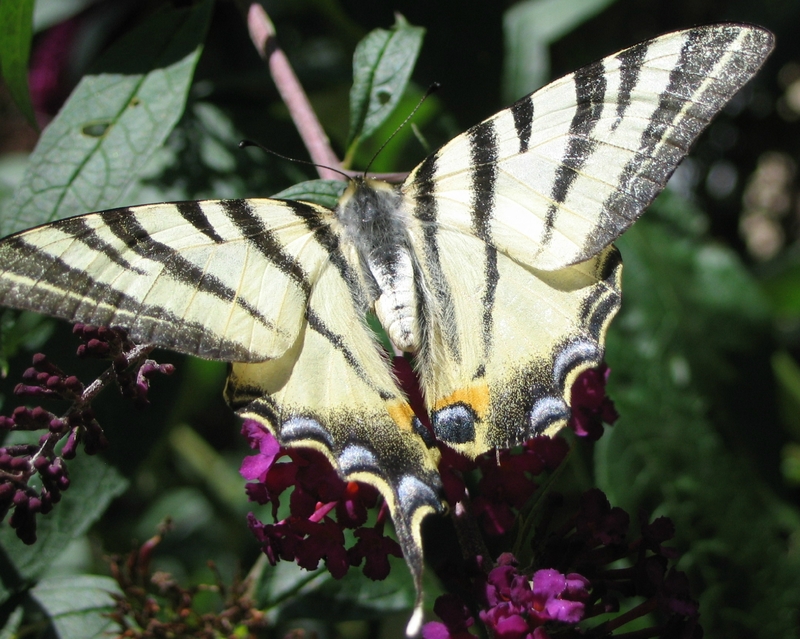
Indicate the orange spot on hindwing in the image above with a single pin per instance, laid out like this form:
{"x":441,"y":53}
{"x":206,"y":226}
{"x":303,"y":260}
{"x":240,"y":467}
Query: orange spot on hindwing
{"x":401,"y":413}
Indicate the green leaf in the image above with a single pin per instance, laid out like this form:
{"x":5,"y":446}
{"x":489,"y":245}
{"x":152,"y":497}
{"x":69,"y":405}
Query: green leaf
{"x":46,"y":14}
{"x":9,"y":631}
{"x":201,"y":160}
{"x":323,"y":192}
{"x":529,"y":29}
{"x":688,"y":288}
{"x":77,"y":605}
{"x":209,"y":467}
{"x":113,"y":121}
{"x":187,"y":508}
{"x":16,"y":32}
{"x":93,"y":484}
{"x":21,"y":331}
{"x":394,"y":143}
{"x":382,"y":67}
{"x":294,"y":592}
{"x":666,"y":457}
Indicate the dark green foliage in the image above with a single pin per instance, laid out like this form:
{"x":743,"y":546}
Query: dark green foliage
{"x":16,"y":32}
{"x":698,"y":438}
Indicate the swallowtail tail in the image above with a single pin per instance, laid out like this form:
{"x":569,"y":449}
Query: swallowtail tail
{"x":492,"y":262}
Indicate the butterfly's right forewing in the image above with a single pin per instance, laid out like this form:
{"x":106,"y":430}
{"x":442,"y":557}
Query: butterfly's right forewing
{"x":564,"y":171}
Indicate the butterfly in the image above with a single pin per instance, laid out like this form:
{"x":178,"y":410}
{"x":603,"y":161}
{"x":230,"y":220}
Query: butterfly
{"x":493,"y":263}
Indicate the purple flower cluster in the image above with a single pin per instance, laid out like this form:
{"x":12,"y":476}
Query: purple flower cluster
{"x":131,"y":371}
{"x":42,"y":381}
{"x":311,"y":534}
{"x":516,"y":603}
{"x":505,"y":480}
{"x":591,"y":407}
{"x":513,"y":604}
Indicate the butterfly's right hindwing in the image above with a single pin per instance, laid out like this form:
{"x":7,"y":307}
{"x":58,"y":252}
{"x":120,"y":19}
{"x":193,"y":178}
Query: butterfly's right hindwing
{"x":508,"y":341}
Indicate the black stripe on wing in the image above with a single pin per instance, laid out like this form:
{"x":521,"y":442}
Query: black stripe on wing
{"x":483,"y":179}
{"x":426,"y":211}
{"x":602,"y":304}
{"x":590,"y":95}
{"x":82,"y":232}
{"x":630,"y":61}
{"x":74,"y":295}
{"x":522,"y":112}
{"x":251,"y":226}
{"x":329,"y":241}
{"x":123,"y":224}
{"x":193,"y":213}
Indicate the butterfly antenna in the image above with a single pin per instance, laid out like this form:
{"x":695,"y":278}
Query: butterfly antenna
{"x":433,"y":88}
{"x":245,"y":143}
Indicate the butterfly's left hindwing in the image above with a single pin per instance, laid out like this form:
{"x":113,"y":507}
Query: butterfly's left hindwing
{"x":333,"y":391}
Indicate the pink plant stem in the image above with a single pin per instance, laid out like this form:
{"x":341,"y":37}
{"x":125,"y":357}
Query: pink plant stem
{"x":262,"y":33}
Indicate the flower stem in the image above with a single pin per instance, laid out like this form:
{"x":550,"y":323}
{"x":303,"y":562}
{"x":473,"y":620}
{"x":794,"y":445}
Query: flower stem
{"x":262,"y":33}
{"x":634,"y":613}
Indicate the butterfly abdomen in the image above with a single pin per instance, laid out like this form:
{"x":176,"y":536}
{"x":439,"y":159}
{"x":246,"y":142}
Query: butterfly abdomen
{"x":373,"y":220}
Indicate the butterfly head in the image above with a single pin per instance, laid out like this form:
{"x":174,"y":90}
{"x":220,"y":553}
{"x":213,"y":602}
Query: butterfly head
{"x":368,"y":205}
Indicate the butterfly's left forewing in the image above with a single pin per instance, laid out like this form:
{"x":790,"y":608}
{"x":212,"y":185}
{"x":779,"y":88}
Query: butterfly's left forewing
{"x":226,"y":279}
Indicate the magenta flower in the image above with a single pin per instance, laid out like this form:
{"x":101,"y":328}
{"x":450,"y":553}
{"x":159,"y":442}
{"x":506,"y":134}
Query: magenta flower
{"x":255,"y":467}
{"x":374,"y":547}
{"x":456,"y":619}
{"x":310,"y":534}
{"x":516,"y":605}
{"x":354,"y":502}
{"x":559,"y":597}
{"x":321,"y":540}
{"x":48,"y":65}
